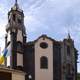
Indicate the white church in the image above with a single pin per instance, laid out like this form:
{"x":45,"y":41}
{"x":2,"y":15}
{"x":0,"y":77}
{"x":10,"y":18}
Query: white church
{"x":41,"y":59}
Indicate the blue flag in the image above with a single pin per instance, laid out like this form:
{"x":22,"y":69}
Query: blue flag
{"x":5,"y":52}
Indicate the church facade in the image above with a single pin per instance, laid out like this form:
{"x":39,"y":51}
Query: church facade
{"x":48,"y":59}
{"x":41,"y":59}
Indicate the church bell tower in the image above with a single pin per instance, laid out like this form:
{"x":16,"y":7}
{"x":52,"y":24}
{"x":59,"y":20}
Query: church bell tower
{"x":15,"y":37}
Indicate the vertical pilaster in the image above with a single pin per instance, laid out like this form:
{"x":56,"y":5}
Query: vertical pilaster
{"x":13,"y":50}
{"x":5,"y":62}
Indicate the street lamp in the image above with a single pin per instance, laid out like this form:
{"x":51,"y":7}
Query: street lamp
{"x":30,"y":77}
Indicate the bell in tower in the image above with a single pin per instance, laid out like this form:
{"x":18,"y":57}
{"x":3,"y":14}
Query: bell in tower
{"x":15,"y":38}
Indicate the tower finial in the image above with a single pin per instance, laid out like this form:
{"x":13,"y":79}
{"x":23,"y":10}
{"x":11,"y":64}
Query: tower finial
{"x":15,"y":1}
{"x":16,"y":4}
{"x":69,"y":37}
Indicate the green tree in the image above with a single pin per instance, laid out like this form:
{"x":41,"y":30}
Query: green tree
{"x":78,"y":76}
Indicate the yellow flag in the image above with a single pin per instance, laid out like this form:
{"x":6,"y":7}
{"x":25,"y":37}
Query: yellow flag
{"x":1,"y":59}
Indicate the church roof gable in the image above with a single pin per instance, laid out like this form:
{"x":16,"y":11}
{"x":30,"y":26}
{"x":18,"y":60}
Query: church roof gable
{"x":44,"y":36}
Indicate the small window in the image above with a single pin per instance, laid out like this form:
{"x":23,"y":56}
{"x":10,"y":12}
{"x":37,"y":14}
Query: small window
{"x":43,"y":62}
{"x":19,"y":21}
{"x":19,"y":45}
{"x":68,"y":50}
{"x":43,"y":45}
{"x":14,"y":17}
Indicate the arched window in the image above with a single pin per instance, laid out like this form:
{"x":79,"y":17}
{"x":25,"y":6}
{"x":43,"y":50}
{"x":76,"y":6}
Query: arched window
{"x":19,"y":46}
{"x":43,"y":62}
{"x":14,"y":17}
{"x":68,"y":50}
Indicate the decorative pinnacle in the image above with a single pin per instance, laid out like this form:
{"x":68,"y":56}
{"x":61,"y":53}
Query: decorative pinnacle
{"x":15,"y":1}
{"x":16,"y":4}
{"x":69,"y":36}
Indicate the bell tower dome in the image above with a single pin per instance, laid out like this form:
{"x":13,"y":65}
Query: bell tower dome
{"x":15,"y":37}
{"x":15,"y":18}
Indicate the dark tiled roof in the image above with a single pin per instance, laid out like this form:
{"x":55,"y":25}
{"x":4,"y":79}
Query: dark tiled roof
{"x":42,"y":36}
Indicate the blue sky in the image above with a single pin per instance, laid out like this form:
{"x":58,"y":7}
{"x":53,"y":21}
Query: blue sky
{"x":52,"y":17}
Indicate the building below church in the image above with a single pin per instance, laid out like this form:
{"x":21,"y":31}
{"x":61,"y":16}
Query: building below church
{"x":41,"y":59}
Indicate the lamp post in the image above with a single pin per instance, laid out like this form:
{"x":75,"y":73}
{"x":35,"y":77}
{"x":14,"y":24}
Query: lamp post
{"x":30,"y":77}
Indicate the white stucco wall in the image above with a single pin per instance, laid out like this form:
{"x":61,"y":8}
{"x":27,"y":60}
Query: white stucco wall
{"x":19,"y":59}
{"x":19,"y":36}
{"x":17,"y":76}
{"x":8,"y":37}
{"x":8,"y":61}
{"x":44,"y":74}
